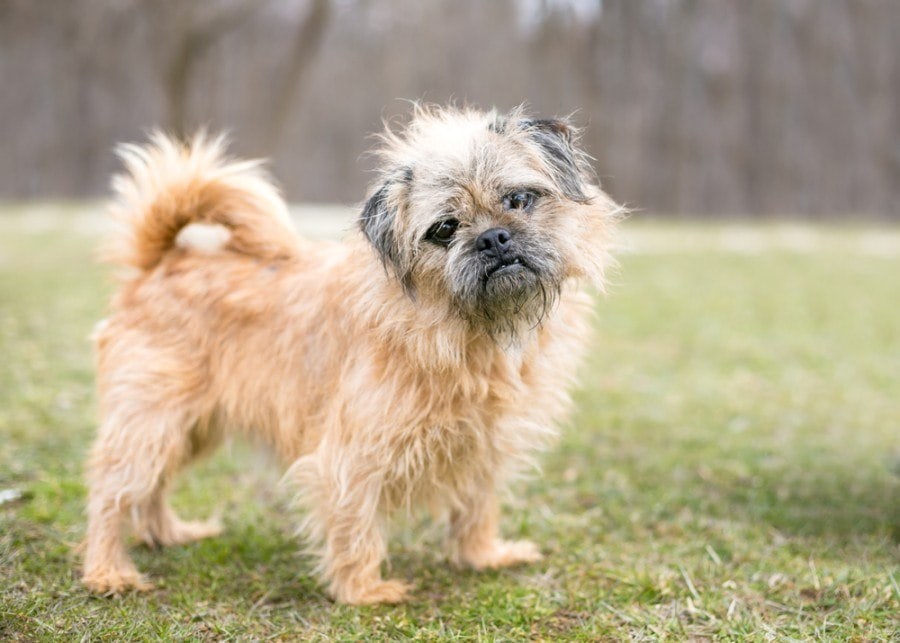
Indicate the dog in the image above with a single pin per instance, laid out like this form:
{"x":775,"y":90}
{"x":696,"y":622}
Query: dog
{"x":418,"y":364}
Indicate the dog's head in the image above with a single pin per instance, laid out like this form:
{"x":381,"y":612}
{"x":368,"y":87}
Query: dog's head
{"x":490,"y":213}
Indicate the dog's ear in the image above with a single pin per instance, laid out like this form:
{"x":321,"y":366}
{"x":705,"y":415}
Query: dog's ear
{"x":377,"y":221}
{"x":556,"y":139}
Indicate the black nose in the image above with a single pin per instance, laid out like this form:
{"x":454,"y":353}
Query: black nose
{"x":494,"y":242}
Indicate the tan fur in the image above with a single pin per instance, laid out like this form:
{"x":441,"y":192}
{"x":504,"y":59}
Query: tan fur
{"x":378,"y":397}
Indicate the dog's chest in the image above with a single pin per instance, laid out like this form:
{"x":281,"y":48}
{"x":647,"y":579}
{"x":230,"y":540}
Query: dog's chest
{"x":463,"y":414}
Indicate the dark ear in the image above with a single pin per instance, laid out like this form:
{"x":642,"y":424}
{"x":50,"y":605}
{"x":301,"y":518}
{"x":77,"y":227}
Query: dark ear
{"x":377,"y":221}
{"x":556,"y":140}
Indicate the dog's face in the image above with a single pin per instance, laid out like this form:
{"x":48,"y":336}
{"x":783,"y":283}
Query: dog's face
{"x":489,"y":213}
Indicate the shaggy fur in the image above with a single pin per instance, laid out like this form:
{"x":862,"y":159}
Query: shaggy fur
{"x":389,"y":372}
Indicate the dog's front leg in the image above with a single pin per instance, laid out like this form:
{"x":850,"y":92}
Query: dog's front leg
{"x":475,"y":537}
{"x":345,"y":525}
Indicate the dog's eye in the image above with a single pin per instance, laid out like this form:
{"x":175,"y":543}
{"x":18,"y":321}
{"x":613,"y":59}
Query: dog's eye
{"x":522,"y":200}
{"x":442,"y":231}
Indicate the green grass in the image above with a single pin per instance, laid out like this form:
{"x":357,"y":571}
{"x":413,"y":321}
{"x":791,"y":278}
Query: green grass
{"x":733,"y":470}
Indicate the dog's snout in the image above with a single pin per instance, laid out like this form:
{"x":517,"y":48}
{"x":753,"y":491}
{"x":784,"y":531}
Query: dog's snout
{"x":494,"y":242}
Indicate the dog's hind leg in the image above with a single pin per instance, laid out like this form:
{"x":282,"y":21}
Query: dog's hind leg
{"x":160,"y":525}
{"x":155,"y":522}
{"x":137,"y":451}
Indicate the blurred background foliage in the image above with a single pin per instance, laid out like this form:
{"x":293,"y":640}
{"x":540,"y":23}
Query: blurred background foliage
{"x":711,"y":107}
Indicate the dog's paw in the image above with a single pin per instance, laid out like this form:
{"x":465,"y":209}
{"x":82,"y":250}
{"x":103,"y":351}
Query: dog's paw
{"x":113,"y":581}
{"x":179,"y":532}
{"x":503,"y":553}
{"x":192,"y":530}
{"x":382,"y":591}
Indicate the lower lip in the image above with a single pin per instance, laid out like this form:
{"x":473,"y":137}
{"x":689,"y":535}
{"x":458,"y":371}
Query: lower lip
{"x":503,"y":270}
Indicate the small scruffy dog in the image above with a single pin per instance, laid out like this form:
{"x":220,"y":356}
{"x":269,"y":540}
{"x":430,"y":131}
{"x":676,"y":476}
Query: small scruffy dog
{"x":414,"y":365}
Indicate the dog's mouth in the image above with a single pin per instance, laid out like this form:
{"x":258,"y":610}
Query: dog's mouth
{"x":514,"y":289}
{"x":505,"y":266}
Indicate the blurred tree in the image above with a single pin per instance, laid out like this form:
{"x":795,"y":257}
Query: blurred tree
{"x":308,"y":39}
{"x":184,"y":31}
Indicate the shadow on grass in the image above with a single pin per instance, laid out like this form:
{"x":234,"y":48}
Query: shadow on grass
{"x":667,"y":480}
{"x":842,"y":502}
{"x":253,"y":565}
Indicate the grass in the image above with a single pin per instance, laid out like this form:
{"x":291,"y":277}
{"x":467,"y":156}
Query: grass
{"x":732,"y":473}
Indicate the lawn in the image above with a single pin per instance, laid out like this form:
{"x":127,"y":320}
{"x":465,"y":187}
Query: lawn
{"x":732,"y":471}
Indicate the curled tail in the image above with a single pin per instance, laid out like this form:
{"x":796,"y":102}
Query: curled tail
{"x":168,"y":185}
